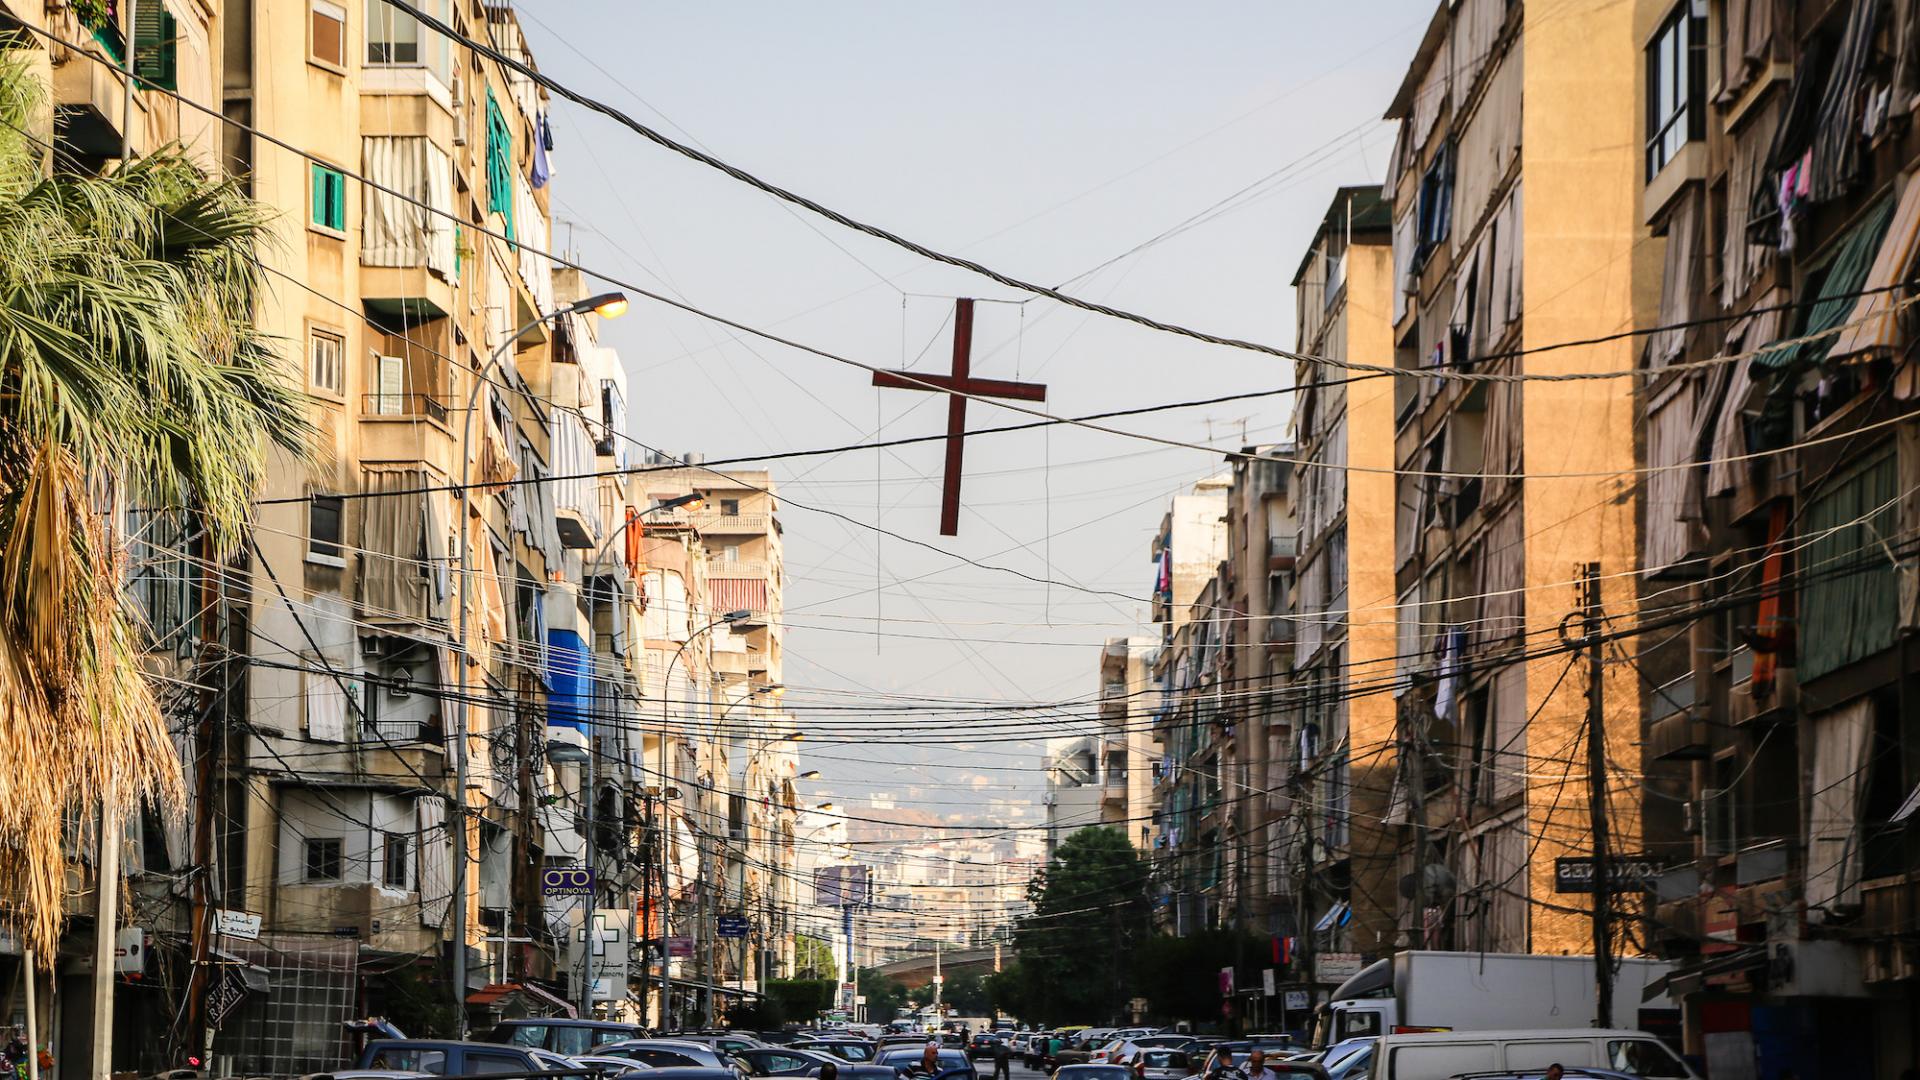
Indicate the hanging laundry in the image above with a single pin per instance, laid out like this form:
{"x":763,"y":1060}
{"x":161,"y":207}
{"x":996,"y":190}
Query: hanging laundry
{"x":542,"y":151}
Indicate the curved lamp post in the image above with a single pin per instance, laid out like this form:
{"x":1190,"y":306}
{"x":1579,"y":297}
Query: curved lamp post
{"x":609,"y":305}
{"x":591,"y":789}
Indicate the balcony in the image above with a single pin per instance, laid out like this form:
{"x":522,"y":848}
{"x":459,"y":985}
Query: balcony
{"x":89,"y":97}
{"x":1887,"y":912}
{"x":1680,"y":731}
{"x":1114,"y":791}
{"x":381,"y":918}
{"x":1281,"y":552}
{"x":404,"y":405}
{"x":711,"y":521}
{"x":408,"y":437}
{"x":405,"y":294}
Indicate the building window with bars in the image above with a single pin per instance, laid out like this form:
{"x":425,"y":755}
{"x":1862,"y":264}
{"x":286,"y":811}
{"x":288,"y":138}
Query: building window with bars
{"x":324,"y":858}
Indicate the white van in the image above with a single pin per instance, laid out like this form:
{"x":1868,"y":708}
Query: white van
{"x":1437,"y":1055}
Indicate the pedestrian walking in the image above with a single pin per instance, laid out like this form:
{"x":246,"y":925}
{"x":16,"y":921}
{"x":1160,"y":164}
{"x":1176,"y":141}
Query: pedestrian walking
{"x":1002,"y":1060}
{"x":1257,"y":1066}
{"x":1225,"y":1069}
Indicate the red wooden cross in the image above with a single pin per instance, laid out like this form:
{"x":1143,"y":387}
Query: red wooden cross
{"x":956,"y":384}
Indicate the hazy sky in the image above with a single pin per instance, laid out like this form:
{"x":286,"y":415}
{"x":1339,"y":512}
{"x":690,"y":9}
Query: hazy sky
{"x":1044,"y":139}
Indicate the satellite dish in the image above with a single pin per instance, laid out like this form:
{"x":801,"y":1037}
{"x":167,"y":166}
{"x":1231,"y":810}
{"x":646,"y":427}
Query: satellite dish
{"x":1439,"y":882}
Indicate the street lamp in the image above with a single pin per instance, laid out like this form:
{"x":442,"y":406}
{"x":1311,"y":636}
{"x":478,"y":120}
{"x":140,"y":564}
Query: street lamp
{"x":666,"y":985}
{"x":591,"y":788}
{"x":810,"y":774}
{"x":609,"y":305}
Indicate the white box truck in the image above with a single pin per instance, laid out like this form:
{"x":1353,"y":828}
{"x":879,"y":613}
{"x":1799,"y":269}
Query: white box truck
{"x":1470,"y":991}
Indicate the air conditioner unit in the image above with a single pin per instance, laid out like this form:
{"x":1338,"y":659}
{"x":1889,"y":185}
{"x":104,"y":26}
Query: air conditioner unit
{"x":373,"y":646}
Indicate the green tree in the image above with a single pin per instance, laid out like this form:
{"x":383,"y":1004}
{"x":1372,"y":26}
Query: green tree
{"x":131,"y":369}
{"x":1180,"y":976}
{"x":813,"y":957}
{"x":885,"y":995}
{"x":800,"y":1000}
{"x":967,"y":993}
{"x":1090,"y":912}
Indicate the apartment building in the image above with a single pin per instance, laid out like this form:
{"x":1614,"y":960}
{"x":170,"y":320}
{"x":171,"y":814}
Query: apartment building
{"x":1106,"y":778}
{"x":1516,"y":232}
{"x":1778,"y":537}
{"x":1186,"y":554}
{"x":461,"y":629}
{"x":1335,"y":761}
{"x":745,"y":760}
{"x":1227,"y":649}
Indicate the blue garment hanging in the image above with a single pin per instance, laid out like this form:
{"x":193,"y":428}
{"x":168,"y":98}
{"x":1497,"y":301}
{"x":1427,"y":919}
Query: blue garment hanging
{"x":542,"y":143}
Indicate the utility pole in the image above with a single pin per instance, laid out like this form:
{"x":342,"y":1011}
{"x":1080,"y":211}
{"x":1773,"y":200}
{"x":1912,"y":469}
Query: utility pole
{"x":1597,"y":797}
{"x":106,"y":920}
{"x":1413,"y":758}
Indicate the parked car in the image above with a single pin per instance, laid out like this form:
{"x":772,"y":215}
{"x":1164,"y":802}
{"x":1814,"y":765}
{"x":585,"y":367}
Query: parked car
{"x":1347,"y":1058}
{"x":983,"y":1044}
{"x":1093,"y":1072}
{"x":727,"y":1041}
{"x":1437,"y":1055}
{"x":1173,"y":1041}
{"x":1114,"y":1053}
{"x":1159,"y":1063}
{"x":563,"y":1035}
{"x":610,"y":1066}
{"x":951,"y":1064}
{"x":667,"y":1053}
{"x":857,"y":1051}
{"x":449,"y":1057}
{"x":1275,"y":1047}
{"x":789,"y":1061}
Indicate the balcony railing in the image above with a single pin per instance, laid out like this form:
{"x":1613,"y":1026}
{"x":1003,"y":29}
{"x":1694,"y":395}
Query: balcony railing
{"x":714,"y":521}
{"x":736,"y":568}
{"x":404,"y":405}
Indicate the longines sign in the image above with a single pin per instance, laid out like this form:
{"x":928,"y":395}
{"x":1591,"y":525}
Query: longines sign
{"x":1625,"y":873}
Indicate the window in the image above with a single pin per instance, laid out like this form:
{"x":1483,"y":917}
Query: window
{"x":329,"y":198}
{"x":393,"y":861}
{"x":1676,"y":87}
{"x":325,"y":528}
{"x":494,"y":1065}
{"x":325,"y":369}
{"x":399,"y":40}
{"x":1643,"y":1057}
{"x":730,"y":507}
{"x":156,"y":47}
{"x":327,"y":33}
{"x":528,"y":1035}
{"x":1433,"y":209}
{"x":323,"y":859}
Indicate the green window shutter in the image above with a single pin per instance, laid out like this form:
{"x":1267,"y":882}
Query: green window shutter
{"x":156,"y":46}
{"x":329,"y":197}
{"x":499,"y":164}
{"x":317,"y":194}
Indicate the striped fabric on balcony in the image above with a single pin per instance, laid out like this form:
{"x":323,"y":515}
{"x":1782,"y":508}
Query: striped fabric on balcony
{"x":735,"y":594}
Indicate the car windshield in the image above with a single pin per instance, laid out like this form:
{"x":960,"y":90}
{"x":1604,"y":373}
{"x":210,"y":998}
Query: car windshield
{"x":1644,"y":1057}
{"x":1091,"y":1072}
{"x":1164,"y":1059}
{"x":900,"y":1057}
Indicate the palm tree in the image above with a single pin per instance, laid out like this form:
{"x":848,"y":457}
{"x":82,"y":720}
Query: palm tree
{"x":130,"y":370}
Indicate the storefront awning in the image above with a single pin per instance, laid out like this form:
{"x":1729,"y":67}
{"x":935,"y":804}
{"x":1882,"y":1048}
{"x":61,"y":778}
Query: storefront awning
{"x":1691,"y":978}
